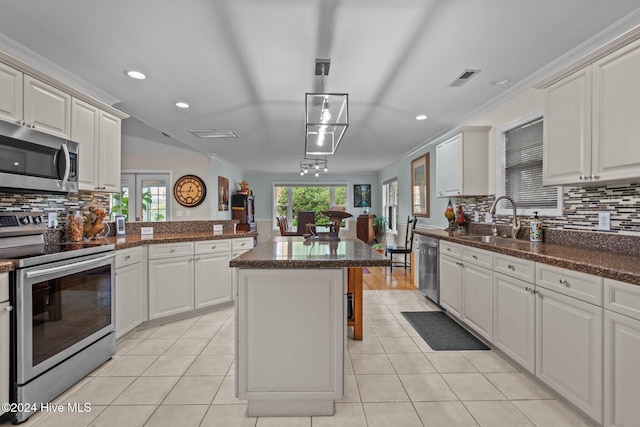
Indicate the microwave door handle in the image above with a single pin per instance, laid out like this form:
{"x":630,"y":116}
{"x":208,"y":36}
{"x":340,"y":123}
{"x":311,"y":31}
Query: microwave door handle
{"x":37,"y":273}
{"x":67,"y":165}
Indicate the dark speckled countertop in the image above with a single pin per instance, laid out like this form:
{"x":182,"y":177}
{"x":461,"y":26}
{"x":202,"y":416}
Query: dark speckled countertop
{"x":295,"y":252}
{"x":612,"y":265}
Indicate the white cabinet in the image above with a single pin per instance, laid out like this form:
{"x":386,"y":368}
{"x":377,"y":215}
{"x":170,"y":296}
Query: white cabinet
{"x":514,"y":317}
{"x":569,"y":349}
{"x":462,"y":163}
{"x":5,"y":309}
{"x":30,"y":102}
{"x":238,"y":247}
{"x":621,"y":353}
{"x":590,"y":130}
{"x":212,"y":273}
{"x":98,"y":135}
{"x":478,"y":299}
{"x":130,"y":290}
{"x":450,"y":285}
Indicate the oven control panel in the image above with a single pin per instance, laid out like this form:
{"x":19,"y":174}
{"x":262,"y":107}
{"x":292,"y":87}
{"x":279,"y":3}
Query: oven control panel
{"x":21,"y":223}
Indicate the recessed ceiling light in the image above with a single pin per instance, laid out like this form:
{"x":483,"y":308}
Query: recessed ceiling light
{"x":214,"y":133}
{"x":181,"y":104}
{"x":501,"y":81}
{"x":135,"y":74}
{"x":421,"y":117}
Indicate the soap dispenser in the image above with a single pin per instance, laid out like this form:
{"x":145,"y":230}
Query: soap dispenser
{"x":535,"y":235}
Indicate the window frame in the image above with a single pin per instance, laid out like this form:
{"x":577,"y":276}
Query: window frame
{"x":274,"y":213}
{"x":385,"y":183}
{"x":133,"y":179}
{"x":500,"y":170}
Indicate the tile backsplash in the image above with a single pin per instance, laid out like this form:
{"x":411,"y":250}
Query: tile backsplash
{"x":581,"y":206}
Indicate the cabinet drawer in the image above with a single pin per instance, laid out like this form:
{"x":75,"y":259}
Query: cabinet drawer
{"x":242,"y":244}
{"x":478,"y":256}
{"x":451,"y":249}
{"x":623,"y":298}
{"x":4,"y":287}
{"x":167,"y":250}
{"x":129,"y":256}
{"x":583,"y":286}
{"x":519,"y":268}
{"x":213,"y":246}
{"x":237,"y":253}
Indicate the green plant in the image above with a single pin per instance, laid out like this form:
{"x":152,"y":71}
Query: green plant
{"x":380,"y":229}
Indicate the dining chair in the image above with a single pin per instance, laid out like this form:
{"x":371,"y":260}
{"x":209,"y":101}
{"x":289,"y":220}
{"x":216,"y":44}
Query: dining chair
{"x":284,"y":227}
{"x":408,"y":243}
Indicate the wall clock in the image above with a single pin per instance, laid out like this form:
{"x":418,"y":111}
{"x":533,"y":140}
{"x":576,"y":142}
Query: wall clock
{"x":189,"y":190}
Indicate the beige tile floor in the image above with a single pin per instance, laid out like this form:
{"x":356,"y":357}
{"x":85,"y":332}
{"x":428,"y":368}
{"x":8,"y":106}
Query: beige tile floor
{"x":182,"y":374}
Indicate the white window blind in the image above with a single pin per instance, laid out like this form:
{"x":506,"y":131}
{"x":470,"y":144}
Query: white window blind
{"x":523,"y":168}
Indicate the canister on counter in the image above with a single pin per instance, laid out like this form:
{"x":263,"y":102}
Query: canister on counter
{"x":74,"y":228}
{"x":535,"y":235}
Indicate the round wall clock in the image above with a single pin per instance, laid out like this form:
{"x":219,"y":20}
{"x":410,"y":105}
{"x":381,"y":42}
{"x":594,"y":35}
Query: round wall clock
{"x":189,"y":190}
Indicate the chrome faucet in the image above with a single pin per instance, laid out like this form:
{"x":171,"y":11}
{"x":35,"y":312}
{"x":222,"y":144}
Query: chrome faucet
{"x":516,"y":226}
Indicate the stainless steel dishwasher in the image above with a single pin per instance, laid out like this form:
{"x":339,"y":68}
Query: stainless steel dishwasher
{"x":429,"y":282}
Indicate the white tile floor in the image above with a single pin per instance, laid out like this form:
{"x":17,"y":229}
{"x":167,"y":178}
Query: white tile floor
{"x":181,"y":374}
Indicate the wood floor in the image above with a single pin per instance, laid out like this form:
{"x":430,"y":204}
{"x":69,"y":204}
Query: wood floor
{"x":380,"y":278}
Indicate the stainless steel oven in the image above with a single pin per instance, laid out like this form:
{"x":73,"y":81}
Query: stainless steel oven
{"x":63,"y":322}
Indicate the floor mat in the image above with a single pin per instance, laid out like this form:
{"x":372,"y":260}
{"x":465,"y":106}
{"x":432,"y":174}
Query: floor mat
{"x":441,"y":332}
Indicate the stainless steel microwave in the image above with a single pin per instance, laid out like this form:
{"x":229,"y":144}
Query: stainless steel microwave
{"x":36,"y":161}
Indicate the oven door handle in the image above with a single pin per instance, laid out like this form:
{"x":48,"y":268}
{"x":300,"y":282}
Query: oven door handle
{"x":60,"y":268}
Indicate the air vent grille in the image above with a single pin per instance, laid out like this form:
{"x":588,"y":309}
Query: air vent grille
{"x":464,"y":77}
{"x":214,"y":133}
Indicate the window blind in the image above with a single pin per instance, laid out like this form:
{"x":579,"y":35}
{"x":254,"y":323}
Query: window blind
{"x":523,"y":168}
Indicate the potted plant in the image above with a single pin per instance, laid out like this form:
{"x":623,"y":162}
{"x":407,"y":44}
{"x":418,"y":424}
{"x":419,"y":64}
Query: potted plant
{"x":379,"y":232}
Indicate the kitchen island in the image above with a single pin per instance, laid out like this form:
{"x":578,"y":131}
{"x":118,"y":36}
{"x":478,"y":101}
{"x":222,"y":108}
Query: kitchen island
{"x":291,"y":322}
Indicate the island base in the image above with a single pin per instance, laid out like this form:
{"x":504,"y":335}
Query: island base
{"x":290,"y":408}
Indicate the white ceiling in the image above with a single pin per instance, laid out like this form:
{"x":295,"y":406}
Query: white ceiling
{"x":245,"y":65}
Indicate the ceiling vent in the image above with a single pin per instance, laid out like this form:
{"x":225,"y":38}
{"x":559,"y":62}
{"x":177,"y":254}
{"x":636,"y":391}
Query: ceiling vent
{"x":463,"y":78}
{"x":214,"y":133}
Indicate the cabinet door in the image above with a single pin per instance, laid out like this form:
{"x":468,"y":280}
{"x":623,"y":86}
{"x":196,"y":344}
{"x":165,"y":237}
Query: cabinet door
{"x":616,"y":84}
{"x":46,"y":108}
{"x":449,"y":167}
{"x":451,"y":285}
{"x":109,"y":137}
{"x":569,"y":349}
{"x":514,"y":317}
{"x":478,"y":299}
{"x":84,"y":131}
{"x":4,"y":353}
{"x":10,"y":94}
{"x":170,"y":286}
{"x":567,"y":130}
{"x":129,"y":298}
{"x":621,"y":373}
{"x":212,"y":279}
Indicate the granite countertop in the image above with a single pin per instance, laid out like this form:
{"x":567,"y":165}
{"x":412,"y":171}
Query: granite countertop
{"x":612,"y":265}
{"x":133,"y":240}
{"x":296,"y":252}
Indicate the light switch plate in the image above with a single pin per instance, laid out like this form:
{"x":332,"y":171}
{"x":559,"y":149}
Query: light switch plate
{"x":146,"y":230}
{"x":604,"y":221}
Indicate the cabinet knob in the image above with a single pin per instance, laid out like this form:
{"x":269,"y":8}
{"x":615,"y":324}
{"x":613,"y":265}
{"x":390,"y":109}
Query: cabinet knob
{"x":563,"y":282}
{"x":172,"y":250}
{"x":474,"y":257}
{"x":459,"y":264}
{"x":594,"y":176}
{"x":449,"y":249}
{"x":214,"y":246}
{"x":581,"y":176}
{"x":8,"y":309}
{"x":128,"y":257}
{"x":511,"y":267}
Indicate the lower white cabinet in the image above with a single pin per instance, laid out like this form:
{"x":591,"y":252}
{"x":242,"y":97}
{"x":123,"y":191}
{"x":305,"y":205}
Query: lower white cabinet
{"x":514,"y":319}
{"x":569,"y":349}
{"x":171,"y":286}
{"x":451,"y":285}
{"x":212,"y":279}
{"x":130,"y":290}
{"x":5,"y":309}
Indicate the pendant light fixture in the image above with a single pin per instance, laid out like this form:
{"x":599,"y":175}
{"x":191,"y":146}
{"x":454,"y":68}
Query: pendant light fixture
{"x":327,"y":116}
{"x":315,"y":166}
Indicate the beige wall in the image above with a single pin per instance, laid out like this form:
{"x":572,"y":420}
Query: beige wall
{"x":177,"y":164}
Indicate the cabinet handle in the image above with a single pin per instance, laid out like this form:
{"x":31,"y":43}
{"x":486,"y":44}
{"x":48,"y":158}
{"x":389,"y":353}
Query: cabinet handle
{"x":172,"y":250}
{"x":32,"y":126}
{"x":594,"y":177}
{"x":197,"y":258}
{"x":8,"y":309}
{"x":449,"y":249}
{"x":581,"y":177}
{"x":511,"y":267}
{"x":214,"y":246}
{"x":20,"y":122}
{"x":474,"y":257}
{"x":459,"y":264}
{"x":563,"y":282}
{"x":242,"y":244}
{"x":128,"y":257}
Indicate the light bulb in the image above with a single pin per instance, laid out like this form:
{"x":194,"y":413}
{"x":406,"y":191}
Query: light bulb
{"x":321,"y":133}
{"x":306,"y":170}
{"x":326,"y":169}
{"x":317,"y":166}
{"x":325,"y":114}
{"x":301,"y":173}
{"x":317,"y":174}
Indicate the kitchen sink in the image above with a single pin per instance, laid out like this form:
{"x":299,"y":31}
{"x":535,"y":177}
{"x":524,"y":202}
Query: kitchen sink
{"x":495,"y":240}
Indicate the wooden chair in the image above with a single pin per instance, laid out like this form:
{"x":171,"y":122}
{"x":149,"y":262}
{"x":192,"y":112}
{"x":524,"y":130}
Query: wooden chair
{"x":408,"y":243}
{"x":304,"y":218}
{"x":284,"y":227}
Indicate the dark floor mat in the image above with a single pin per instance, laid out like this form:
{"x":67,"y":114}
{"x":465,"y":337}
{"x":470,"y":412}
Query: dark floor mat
{"x":441,"y":332}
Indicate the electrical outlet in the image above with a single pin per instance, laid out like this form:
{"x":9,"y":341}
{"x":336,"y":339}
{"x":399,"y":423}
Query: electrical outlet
{"x":146,"y":230}
{"x":604,"y":221}
{"x":488,"y":217}
{"x":476,"y":216}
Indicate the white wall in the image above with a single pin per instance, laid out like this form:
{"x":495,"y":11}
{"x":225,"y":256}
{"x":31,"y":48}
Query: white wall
{"x":234,"y":174}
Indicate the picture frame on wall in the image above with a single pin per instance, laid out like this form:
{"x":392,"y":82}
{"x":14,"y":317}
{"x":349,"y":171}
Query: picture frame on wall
{"x":362,"y":195}
{"x":420,"y":186}
{"x":223,"y":193}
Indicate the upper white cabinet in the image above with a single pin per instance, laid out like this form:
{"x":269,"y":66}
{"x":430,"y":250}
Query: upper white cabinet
{"x":98,"y":136}
{"x":590,"y":134}
{"x":32,"y":103}
{"x":462,"y":163}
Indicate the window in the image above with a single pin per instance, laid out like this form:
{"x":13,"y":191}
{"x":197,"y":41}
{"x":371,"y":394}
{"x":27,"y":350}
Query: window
{"x":522,"y":172}
{"x":293,"y":198}
{"x":142,"y":197}
{"x":390,"y":204}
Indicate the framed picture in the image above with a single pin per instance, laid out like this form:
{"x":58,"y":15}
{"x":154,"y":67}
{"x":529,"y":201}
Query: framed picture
{"x":420,"y":186}
{"x":223,"y":193}
{"x":362,"y":195}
